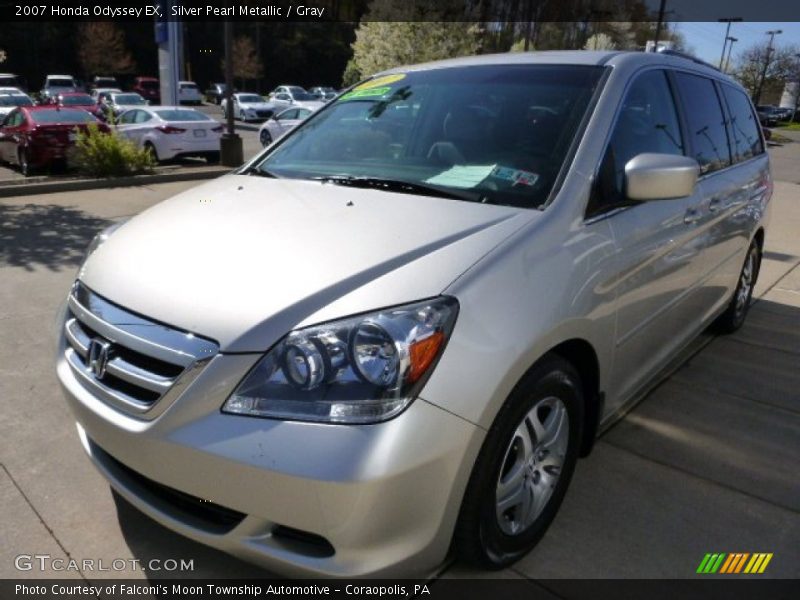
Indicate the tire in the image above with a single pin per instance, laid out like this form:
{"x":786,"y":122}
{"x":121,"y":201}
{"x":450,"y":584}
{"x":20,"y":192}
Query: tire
{"x":242,"y":118}
{"x":212,"y":158}
{"x":736,"y":312}
{"x":265,"y":138}
{"x":25,"y":167}
{"x":151,"y":149}
{"x":497,"y":526}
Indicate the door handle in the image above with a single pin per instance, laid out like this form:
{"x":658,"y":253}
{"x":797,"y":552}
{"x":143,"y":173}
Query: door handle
{"x":691,"y":215}
{"x":714,"y":205}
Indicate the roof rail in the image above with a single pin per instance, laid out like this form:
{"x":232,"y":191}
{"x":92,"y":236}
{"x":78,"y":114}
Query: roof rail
{"x":687,"y":56}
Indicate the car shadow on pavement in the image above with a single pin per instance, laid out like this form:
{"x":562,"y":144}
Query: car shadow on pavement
{"x":45,"y":235}
{"x":149,"y":541}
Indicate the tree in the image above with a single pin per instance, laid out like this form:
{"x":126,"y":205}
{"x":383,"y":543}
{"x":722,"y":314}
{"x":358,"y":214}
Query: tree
{"x":102,"y":50}
{"x":246,"y":62}
{"x":600,"y":41}
{"x":763,"y":71}
{"x":395,"y":34}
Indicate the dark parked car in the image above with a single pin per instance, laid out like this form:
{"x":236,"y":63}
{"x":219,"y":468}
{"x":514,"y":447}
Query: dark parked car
{"x":216,"y":92}
{"x":768,"y":115}
{"x":80,"y":100}
{"x":34,"y":137}
{"x":148,"y":87}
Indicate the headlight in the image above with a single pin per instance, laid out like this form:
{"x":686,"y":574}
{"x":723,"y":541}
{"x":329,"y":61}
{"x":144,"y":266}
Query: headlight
{"x":101,"y":237}
{"x":363,"y":369}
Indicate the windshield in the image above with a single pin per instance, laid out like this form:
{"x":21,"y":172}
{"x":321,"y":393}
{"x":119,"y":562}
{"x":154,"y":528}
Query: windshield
{"x":188,"y":86}
{"x":61,"y":116}
{"x":250,"y":99}
{"x":181,"y":115}
{"x":15,"y":100}
{"x":60,"y":82}
{"x":495,"y":133}
{"x":128,"y":99}
{"x":77,"y":100}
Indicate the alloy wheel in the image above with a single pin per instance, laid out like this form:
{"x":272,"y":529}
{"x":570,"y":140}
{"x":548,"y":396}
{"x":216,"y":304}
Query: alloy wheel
{"x":745,"y":283}
{"x":532,"y":464}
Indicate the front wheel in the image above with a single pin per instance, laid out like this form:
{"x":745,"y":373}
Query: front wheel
{"x":524,"y":467}
{"x":265,"y":138}
{"x":734,"y":316}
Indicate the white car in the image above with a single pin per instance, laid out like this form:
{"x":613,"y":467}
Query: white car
{"x":276,"y":126}
{"x":251,"y":107}
{"x":58,"y":84}
{"x":10,"y":98}
{"x":172,"y":131}
{"x":189,"y":93}
{"x":296,"y":96}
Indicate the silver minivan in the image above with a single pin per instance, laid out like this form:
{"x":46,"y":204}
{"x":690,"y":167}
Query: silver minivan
{"x":394,"y":331}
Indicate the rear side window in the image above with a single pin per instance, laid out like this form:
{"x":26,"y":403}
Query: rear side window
{"x":647,"y":122}
{"x":745,"y":130}
{"x":707,"y":132}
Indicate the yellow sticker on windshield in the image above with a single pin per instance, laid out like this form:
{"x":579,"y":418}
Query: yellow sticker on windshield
{"x":367,"y":93}
{"x":385,"y":80}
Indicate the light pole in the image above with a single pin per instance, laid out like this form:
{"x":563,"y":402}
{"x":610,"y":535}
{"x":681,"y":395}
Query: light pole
{"x":728,"y":20}
{"x":230,"y":144}
{"x":772,"y":33}
{"x":732,"y":41}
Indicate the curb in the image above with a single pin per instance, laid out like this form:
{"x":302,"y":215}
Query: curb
{"x":75,"y":185}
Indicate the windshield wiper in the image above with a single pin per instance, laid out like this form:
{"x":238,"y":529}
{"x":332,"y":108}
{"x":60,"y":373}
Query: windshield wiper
{"x":394,"y":185}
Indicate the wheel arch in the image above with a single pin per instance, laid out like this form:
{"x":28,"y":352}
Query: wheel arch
{"x":582,"y":355}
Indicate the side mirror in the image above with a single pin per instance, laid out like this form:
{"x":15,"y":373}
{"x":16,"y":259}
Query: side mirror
{"x":652,"y":176}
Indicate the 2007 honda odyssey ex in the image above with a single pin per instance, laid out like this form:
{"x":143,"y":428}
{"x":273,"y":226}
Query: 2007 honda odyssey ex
{"x":395,"y":330}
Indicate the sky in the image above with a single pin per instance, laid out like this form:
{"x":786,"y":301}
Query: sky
{"x":705,"y":39}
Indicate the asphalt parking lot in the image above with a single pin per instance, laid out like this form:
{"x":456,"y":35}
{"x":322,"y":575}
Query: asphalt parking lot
{"x":708,"y":462}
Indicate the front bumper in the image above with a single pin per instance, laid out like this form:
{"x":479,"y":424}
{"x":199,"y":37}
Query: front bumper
{"x":384,"y":497}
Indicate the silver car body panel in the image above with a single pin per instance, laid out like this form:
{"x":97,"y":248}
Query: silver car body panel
{"x":244,"y":260}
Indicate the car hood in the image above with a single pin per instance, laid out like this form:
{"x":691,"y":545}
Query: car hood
{"x":243,"y":260}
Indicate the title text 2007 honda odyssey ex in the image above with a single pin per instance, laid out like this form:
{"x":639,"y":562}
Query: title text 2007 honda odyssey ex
{"x":395,"y":330}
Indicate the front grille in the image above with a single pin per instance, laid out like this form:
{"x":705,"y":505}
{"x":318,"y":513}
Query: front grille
{"x":126,"y":360}
{"x":264,"y":114}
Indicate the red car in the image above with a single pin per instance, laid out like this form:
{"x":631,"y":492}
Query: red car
{"x":35,"y":137}
{"x":148,"y":88}
{"x":80,"y":100}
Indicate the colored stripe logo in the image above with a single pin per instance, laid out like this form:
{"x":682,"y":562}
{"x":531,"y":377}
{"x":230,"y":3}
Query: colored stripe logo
{"x":734,"y":563}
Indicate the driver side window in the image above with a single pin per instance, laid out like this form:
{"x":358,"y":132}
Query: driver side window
{"x":647,"y":122}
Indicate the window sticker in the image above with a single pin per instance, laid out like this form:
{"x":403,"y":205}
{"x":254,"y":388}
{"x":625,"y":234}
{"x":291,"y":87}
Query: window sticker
{"x":380,"y":81}
{"x":366,"y":93}
{"x":515,"y":176}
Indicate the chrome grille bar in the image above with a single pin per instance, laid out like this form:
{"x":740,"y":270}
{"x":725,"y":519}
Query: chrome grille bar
{"x":126,"y":360}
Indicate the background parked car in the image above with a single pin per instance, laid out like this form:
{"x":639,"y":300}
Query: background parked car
{"x":10,"y":98}
{"x":325,"y":94}
{"x":11,"y":80}
{"x":119,"y":102}
{"x":101,"y":81}
{"x":57,"y":84}
{"x":768,"y":115}
{"x":294,"y":94}
{"x":215,"y":93}
{"x":147,"y":87}
{"x":80,"y":100}
{"x":251,"y":107}
{"x":189,"y":93}
{"x":34,"y":137}
{"x":172,"y":131}
{"x":278,"y":125}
